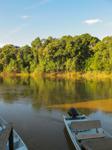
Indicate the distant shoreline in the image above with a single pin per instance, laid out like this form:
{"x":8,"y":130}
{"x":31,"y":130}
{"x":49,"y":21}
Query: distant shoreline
{"x":79,"y":75}
{"x":63,"y":75}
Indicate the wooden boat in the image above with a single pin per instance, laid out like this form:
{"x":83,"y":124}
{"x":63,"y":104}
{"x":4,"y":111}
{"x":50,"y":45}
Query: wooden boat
{"x":9,"y":139}
{"x":87,"y":134}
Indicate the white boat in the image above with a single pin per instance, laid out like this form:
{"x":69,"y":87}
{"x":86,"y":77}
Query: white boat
{"x":87,"y":134}
{"x":9,"y":139}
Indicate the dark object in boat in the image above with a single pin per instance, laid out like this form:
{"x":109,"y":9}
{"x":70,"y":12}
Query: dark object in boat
{"x":73,"y":113}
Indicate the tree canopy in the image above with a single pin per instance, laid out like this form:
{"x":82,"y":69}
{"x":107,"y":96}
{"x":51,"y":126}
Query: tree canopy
{"x":68,"y":53}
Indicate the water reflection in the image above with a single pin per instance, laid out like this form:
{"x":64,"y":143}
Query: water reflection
{"x":24,"y":101}
{"x":103,"y":105}
{"x":42,"y":92}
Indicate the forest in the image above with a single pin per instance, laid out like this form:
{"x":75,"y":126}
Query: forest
{"x":80,"y":53}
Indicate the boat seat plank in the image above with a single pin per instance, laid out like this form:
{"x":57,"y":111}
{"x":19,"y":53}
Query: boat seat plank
{"x":85,"y":125}
{"x":97,"y":144}
{"x":4,"y":136}
{"x":89,"y":136}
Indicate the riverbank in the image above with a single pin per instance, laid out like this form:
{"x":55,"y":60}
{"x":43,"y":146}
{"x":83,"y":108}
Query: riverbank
{"x":62,"y":75}
{"x":76,"y":75}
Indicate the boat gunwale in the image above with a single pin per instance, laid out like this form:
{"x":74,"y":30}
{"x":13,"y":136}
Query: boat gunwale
{"x":73,"y":138}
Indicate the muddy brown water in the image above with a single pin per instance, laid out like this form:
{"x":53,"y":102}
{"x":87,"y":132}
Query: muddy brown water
{"x":25,"y":102}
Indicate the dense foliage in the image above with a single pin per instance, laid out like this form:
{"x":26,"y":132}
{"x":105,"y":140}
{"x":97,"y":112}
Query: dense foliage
{"x":78,"y":53}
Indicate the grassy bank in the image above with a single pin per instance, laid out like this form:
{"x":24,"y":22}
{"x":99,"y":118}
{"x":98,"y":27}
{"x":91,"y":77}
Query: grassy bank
{"x":76,"y":75}
{"x":7,"y":74}
{"x":63,"y":75}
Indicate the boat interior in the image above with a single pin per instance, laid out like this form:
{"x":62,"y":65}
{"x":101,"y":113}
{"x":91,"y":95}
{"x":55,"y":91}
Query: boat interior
{"x":90,"y":135}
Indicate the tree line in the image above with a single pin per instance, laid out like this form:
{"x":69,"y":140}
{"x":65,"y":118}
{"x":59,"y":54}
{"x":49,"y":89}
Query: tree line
{"x":68,"y":53}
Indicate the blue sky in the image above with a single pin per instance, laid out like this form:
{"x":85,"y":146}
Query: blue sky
{"x":21,"y":21}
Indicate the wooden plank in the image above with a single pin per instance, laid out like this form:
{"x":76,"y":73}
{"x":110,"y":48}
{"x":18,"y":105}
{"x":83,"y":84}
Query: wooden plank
{"x":85,"y":125}
{"x":4,"y":137}
{"x":90,"y":136}
{"x":97,"y":144}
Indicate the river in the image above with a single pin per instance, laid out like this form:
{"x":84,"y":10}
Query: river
{"x":36,"y":107}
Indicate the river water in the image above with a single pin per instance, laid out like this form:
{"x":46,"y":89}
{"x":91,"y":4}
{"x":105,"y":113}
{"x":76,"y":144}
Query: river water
{"x":29,"y":104}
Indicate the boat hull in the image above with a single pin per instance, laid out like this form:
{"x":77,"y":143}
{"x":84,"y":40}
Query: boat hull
{"x":67,"y":123}
{"x":91,"y":132}
{"x":18,"y":143}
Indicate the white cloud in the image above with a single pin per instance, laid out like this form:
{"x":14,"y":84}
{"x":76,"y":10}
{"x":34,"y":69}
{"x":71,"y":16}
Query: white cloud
{"x":92,"y":21}
{"x":14,"y":31}
{"x":42,"y":2}
{"x":17,"y":29}
{"x":37,"y":4}
{"x":25,"y":17}
{"x":12,"y":35}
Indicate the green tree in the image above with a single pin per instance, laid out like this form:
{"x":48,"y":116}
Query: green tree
{"x":102,"y":59}
{"x":36,"y":44}
{"x":25,"y":59}
{"x":8,"y":54}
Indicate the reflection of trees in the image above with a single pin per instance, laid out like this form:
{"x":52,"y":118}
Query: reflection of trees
{"x":12,"y":89}
{"x":97,"y":89}
{"x":45,"y":92}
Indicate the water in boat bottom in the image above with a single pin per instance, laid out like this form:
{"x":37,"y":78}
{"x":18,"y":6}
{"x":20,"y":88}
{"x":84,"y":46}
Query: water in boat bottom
{"x":26,"y":101}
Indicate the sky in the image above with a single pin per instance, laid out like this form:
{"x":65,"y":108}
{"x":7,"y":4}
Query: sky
{"x":21,"y":21}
